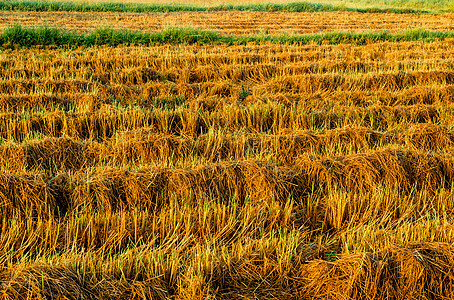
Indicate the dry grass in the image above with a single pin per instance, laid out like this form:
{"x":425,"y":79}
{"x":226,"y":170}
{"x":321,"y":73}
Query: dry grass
{"x":233,"y":22}
{"x":226,"y":172}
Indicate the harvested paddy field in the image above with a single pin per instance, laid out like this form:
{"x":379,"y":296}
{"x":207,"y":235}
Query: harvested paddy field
{"x":228,"y":171}
{"x":233,"y":22}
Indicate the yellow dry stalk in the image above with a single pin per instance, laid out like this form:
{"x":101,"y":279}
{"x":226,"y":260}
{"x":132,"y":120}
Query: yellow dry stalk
{"x":150,"y":147}
{"x":255,"y":171}
{"x":236,"y":23}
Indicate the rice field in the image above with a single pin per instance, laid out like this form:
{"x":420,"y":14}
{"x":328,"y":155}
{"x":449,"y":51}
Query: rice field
{"x":228,"y":171}
{"x":232,"y":23}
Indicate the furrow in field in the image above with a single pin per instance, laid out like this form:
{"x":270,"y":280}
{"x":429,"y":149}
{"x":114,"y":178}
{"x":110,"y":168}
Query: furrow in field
{"x":234,"y":73}
{"x":129,"y":61}
{"x":110,"y":189}
{"x":364,"y":89}
{"x":222,"y":96}
{"x":271,"y":118}
{"x":285,"y":261}
{"x":116,"y":73}
{"x":145,"y":146}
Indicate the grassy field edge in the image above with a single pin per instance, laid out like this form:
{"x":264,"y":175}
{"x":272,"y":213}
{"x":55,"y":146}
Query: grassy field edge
{"x":32,"y":5}
{"x":18,"y":36}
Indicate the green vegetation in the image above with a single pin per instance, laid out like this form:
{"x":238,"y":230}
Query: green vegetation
{"x":26,"y":37}
{"x":437,"y":5}
{"x":31,"y":5}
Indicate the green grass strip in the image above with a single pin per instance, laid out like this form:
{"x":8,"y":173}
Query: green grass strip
{"x":34,"y":5}
{"x":18,"y":36}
